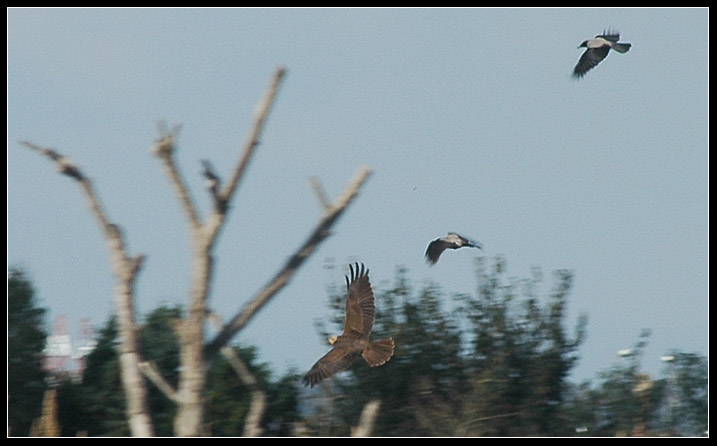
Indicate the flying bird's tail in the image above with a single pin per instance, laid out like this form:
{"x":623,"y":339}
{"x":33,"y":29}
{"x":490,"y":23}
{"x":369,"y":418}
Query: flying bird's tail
{"x":473,"y":244}
{"x":621,"y":47}
{"x":378,"y":352}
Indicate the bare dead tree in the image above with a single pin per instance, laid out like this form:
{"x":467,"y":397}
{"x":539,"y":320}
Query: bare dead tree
{"x":195,"y":353}
{"x":125,"y":269}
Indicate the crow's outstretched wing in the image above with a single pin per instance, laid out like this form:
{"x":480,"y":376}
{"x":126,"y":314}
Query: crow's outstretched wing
{"x":589,"y":60}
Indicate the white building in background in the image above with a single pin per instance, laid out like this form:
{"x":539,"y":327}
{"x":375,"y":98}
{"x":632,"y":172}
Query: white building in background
{"x":62,"y":356}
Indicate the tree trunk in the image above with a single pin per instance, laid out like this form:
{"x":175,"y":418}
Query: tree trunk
{"x":192,"y":378}
{"x":140,"y":423}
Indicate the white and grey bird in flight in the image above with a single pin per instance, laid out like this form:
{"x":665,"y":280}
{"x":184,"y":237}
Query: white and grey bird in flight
{"x":451,"y":241}
{"x":597,"y":50}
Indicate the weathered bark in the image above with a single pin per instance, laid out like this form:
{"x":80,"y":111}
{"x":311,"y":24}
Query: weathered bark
{"x":192,"y":378}
{"x":125,"y":269}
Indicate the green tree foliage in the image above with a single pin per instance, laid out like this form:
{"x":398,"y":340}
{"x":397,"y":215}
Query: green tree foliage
{"x":98,"y":399}
{"x":494,"y":364}
{"x":228,"y":399}
{"x":96,"y":405}
{"x":520,"y":354}
{"x":628,"y":402}
{"x":25,"y":342}
{"x":624,"y":400}
{"x":427,"y":354}
{"x":686,"y":396}
{"x":159,"y":344}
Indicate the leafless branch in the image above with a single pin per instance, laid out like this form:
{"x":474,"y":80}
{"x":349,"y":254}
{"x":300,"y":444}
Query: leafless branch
{"x":203,"y":234}
{"x":194,"y":353}
{"x":64,"y":165}
{"x":260,"y":116}
{"x":164,"y":149}
{"x":492,"y":417}
{"x":367,"y":420}
{"x":125,"y":269}
{"x":252,"y":424}
{"x":319,"y":191}
{"x":281,"y":279}
{"x":149,"y":369}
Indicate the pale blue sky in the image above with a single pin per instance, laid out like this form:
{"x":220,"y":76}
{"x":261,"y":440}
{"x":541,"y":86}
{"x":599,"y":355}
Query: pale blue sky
{"x":468,"y":117}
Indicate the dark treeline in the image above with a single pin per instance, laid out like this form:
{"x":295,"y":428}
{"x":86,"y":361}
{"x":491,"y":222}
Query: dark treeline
{"x":491,"y":364}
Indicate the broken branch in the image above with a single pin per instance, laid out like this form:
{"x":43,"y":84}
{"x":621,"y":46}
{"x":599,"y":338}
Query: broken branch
{"x":281,"y":279}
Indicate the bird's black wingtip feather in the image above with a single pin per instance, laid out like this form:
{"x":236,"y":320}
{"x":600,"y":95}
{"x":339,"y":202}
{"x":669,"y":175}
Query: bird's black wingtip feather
{"x":355,"y":273}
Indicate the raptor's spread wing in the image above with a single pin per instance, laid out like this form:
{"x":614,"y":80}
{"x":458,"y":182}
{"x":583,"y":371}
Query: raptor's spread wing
{"x":336,"y":360}
{"x":360,"y":303}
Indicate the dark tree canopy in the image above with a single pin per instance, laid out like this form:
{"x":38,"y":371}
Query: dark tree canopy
{"x":25,"y":343}
{"x":96,"y":405}
{"x":491,"y":364}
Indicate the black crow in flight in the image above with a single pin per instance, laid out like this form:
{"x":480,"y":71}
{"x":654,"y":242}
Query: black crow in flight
{"x":451,"y":241}
{"x":597,"y":50}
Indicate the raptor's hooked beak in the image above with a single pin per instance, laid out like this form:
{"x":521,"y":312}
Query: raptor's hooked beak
{"x":332,"y":339}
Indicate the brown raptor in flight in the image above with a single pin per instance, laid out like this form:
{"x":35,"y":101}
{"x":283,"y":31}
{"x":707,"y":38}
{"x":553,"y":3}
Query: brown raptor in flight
{"x":354,"y":342}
